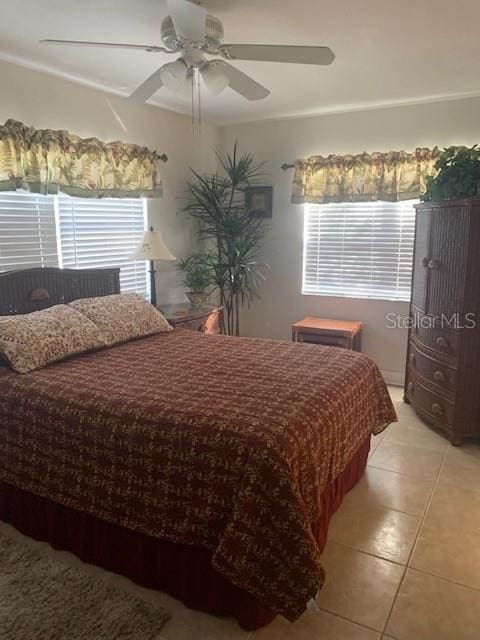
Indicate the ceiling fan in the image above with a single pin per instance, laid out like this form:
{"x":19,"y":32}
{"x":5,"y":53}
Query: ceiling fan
{"x":193,"y":33}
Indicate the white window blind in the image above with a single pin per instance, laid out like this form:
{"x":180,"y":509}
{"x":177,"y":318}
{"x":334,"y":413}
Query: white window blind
{"x":103,"y":233}
{"x":359,"y":250}
{"x":27,"y":231}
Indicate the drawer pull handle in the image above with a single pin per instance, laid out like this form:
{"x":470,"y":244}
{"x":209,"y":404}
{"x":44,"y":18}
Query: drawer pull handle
{"x":439,"y":376}
{"x":442,"y":342}
{"x":437,"y":409}
{"x":434,"y":264}
{"x":424,"y":262}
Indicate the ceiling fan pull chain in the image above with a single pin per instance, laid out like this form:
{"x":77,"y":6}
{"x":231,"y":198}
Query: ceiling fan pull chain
{"x":199,"y":103}
{"x":196,"y":103}
{"x":193,"y":105}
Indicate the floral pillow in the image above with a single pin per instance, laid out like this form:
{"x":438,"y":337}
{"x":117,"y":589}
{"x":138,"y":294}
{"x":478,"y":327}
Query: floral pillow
{"x":122,"y":317}
{"x":31,"y":341}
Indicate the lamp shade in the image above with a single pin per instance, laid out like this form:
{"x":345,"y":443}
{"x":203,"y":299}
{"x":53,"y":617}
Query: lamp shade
{"x":152,"y":247}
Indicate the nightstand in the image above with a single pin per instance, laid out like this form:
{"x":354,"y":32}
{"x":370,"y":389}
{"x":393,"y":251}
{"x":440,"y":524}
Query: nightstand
{"x":184,"y":316}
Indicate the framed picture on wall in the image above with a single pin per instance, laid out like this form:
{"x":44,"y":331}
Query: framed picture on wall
{"x":259,"y":201}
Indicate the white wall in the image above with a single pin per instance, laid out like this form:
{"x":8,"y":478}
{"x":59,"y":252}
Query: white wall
{"x":45,"y":101}
{"x":445,"y":123}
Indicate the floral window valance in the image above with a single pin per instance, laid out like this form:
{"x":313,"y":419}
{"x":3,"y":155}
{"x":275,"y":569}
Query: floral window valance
{"x":392,"y":176}
{"x":46,"y":161}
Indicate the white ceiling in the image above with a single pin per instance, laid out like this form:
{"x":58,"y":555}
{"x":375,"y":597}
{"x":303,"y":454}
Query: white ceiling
{"x":388,"y":51}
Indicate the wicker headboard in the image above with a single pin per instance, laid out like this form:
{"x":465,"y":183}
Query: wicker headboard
{"x":33,"y":289}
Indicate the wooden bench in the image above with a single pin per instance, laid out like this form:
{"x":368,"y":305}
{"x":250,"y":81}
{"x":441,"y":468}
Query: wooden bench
{"x":328,"y":332}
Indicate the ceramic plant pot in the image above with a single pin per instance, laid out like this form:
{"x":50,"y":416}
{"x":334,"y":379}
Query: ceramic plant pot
{"x":198,"y":299}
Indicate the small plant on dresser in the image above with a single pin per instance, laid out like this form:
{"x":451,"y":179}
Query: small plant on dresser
{"x":458,"y":175}
{"x":199,"y":270}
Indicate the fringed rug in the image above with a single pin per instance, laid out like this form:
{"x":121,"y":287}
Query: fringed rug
{"x":44,"y":598}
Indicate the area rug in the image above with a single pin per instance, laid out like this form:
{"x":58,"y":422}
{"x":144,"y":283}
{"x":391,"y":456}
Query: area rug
{"x":42,"y":597}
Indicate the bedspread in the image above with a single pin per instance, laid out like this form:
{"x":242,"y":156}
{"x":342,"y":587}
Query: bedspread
{"x":225,"y":443}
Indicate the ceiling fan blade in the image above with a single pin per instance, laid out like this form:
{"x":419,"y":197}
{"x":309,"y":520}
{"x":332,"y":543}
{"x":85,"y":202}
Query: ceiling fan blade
{"x":243,"y":84}
{"x":111,"y":45}
{"x":278,"y":53}
{"x":189,"y":20}
{"x":148,"y":88}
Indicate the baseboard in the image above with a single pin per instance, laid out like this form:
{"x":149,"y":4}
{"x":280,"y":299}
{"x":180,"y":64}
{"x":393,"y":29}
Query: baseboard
{"x":396,"y":378}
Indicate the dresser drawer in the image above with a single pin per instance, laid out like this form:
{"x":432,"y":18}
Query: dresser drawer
{"x":427,"y":331}
{"x":428,"y":366}
{"x":195,"y":324}
{"x":321,"y":338}
{"x":435,"y":408}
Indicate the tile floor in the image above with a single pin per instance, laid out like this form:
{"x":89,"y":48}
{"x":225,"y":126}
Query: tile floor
{"x":403,"y":556}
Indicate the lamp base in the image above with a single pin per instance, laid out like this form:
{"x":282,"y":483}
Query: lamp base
{"x":153,"y":287}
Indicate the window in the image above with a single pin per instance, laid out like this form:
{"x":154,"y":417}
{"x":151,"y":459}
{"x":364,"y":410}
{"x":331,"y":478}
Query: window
{"x":359,"y":250}
{"x":103,"y":233}
{"x":76,"y":233}
{"x":27,"y":231}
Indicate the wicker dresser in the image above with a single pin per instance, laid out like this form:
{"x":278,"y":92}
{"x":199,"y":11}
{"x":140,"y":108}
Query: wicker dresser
{"x":443,"y":360}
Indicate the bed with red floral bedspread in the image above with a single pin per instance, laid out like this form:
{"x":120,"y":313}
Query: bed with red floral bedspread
{"x":218,"y":443}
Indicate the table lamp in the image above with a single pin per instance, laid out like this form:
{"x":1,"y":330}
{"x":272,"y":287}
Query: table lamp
{"x":152,"y":247}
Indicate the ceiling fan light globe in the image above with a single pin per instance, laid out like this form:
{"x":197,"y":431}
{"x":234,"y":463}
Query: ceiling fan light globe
{"x":184,"y":91}
{"x":215,"y":78}
{"x":174,"y":76}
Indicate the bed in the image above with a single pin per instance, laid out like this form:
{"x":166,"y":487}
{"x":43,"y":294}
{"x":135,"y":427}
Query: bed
{"x":205,"y":466}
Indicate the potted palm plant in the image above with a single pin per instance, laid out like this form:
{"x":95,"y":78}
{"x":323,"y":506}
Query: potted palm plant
{"x":199,"y":277}
{"x":234,"y":236}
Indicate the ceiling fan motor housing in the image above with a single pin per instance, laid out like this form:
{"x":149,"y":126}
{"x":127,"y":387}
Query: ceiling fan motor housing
{"x":213,"y":38}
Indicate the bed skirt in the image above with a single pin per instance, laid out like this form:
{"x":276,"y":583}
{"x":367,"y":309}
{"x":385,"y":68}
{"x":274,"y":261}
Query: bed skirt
{"x":183,"y":571}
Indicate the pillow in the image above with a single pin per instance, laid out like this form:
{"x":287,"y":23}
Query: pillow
{"x":122,"y":317}
{"x":31,"y":341}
